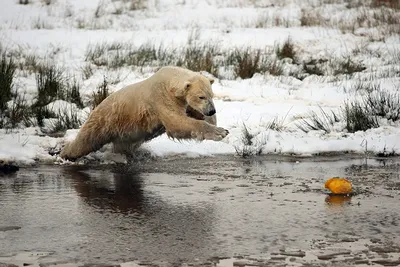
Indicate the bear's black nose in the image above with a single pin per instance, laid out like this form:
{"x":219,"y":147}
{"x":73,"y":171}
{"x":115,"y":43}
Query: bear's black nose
{"x":211,"y":112}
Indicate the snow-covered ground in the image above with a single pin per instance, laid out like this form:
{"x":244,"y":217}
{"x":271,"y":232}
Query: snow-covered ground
{"x":62,"y":31}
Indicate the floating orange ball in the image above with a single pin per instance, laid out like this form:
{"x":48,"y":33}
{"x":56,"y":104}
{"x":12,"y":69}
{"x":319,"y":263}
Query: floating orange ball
{"x":339,"y":185}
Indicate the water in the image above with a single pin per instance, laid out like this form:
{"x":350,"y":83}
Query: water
{"x":196,"y":210}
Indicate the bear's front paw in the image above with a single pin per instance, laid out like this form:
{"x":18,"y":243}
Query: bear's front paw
{"x":218,"y":134}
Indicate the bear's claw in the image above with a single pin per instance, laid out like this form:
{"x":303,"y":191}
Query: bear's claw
{"x":218,"y":134}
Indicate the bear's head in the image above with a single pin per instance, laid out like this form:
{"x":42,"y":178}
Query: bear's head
{"x":198,"y":96}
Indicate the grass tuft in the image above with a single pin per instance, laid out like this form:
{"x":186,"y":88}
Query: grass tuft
{"x":348,"y":66}
{"x":246,"y":62}
{"x":287,"y":50}
{"x":248,"y":147}
{"x":323,"y":121}
{"x":50,"y":84}
{"x":72,"y":93}
{"x":65,"y":119}
{"x":357,"y":118}
{"x":102,"y":93}
{"x":383,"y":104}
{"x":7,"y":75}
{"x":309,"y":18}
{"x":200,"y":58}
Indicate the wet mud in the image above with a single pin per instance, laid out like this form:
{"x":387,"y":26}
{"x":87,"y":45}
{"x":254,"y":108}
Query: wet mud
{"x":219,"y":211}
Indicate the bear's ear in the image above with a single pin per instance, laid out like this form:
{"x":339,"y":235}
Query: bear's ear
{"x":180,"y":92}
{"x":211,"y":80}
{"x":187,"y":86}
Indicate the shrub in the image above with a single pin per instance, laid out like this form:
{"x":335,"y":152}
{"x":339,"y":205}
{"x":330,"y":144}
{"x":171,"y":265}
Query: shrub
{"x":246,"y":62}
{"x":200,"y":58}
{"x":141,"y":56}
{"x":39,"y":23}
{"x":360,"y":86}
{"x":273,"y":67}
{"x":247,"y":146}
{"x":314,"y":67}
{"x":30,"y":63}
{"x":18,"y":112}
{"x":117,"y":55}
{"x":102,"y":93}
{"x":50,"y":84}
{"x":41,"y":113}
{"x":310,"y":18}
{"x":383,"y":104}
{"x":358,"y":118}
{"x":7,"y":74}
{"x":87,"y":71}
{"x":287,"y":50}
{"x":348,"y":66}
{"x":65,"y":119}
{"x":96,"y":53}
{"x":72,"y":93}
{"x":319,"y":121}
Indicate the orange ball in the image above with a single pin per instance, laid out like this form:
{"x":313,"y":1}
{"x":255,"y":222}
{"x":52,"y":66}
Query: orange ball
{"x":339,"y":185}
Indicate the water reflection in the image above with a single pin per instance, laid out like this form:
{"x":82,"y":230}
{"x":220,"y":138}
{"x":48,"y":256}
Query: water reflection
{"x":118,"y":192}
{"x":338,"y":200}
{"x":120,"y":206}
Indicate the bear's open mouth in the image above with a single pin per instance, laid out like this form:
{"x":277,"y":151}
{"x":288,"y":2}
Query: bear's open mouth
{"x":191,"y":112}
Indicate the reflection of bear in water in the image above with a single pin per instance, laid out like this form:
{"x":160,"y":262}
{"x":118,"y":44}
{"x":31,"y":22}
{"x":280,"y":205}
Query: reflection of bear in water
{"x":121,"y":212}
{"x":174,"y":100}
{"x":123,"y":193}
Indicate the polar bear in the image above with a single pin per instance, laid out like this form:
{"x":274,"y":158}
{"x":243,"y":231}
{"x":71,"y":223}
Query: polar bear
{"x":174,"y":100}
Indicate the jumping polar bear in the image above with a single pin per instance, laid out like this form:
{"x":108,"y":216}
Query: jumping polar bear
{"x":173,"y":100}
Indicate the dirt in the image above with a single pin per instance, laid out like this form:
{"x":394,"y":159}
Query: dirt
{"x":219,"y":211}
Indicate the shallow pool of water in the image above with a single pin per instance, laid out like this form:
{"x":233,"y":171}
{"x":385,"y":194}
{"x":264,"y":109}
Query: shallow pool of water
{"x":195,"y":210}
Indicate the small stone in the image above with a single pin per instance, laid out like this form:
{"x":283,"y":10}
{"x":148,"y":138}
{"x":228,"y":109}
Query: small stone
{"x":387,"y":262}
{"x":384,"y":249}
{"x":330,"y":255}
{"x":9,"y":228}
{"x":295,"y":253}
{"x":278,"y":258}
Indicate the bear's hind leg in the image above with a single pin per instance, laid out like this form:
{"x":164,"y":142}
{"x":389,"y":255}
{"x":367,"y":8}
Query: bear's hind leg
{"x":91,"y":137}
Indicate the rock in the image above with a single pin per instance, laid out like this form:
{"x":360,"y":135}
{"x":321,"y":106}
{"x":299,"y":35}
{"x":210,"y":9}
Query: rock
{"x":9,"y":228}
{"x":294,"y":253}
{"x":384,"y":249}
{"x":278,"y":258}
{"x":385,"y":262}
{"x":241,"y":263}
{"x":331,"y":254}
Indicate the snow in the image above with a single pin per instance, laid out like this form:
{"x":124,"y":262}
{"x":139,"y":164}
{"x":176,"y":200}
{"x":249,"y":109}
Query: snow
{"x":54,"y":30}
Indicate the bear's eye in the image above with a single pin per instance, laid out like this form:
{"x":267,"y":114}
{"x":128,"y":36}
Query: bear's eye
{"x":202,"y":97}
